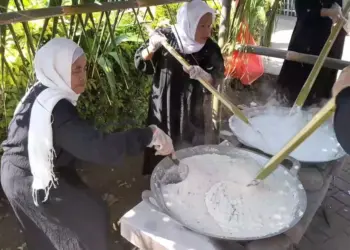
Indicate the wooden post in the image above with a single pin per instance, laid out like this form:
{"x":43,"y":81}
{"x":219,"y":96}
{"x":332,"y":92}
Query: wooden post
{"x":224,"y":21}
{"x":223,"y":32}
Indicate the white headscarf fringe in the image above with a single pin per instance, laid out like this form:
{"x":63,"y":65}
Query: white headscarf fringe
{"x":53,"y":64}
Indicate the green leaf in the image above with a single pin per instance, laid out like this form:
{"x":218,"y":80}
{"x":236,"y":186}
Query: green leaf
{"x":107,"y":68}
{"x":127,"y":38}
{"x":121,"y":61}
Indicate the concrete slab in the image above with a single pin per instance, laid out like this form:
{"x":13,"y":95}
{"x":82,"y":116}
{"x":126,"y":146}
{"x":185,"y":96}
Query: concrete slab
{"x":279,"y":40}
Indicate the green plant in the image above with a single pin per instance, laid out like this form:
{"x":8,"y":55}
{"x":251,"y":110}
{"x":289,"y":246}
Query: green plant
{"x":253,"y":14}
{"x":165,"y":15}
{"x":117,"y":94}
{"x":271,"y":8}
{"x":116,"y":91}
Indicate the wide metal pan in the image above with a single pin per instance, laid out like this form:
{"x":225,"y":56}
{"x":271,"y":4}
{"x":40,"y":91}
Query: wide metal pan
{"x":235,"y":127}
{"x":155,"y":197}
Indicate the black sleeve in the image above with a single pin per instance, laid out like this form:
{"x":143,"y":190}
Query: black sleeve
{"x":329,"y":3}
{"x":216,"y":66}
{"x":311,"y":10}
{"x":342,"y":119}
{"x":217,"y":61}
{"x":88,"y":144}
{"x":147,"y":67}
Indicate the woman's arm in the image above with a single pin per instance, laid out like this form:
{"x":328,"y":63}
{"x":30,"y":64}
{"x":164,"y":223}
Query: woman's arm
{"x":145,"y":61}
{"x":213,"y":71}
{"x":216,"y":67}
{"x":86,"y":143}
{"x":334,"y":12}
{"x":217,"y":61}
{"x":312,"y":10}
{"x":307,"y":10}
{"x":147,"y":56}
{"x":342,"y":119}
{"x":341,"y":91}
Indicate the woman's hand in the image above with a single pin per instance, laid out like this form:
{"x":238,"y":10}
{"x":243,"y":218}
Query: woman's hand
{"x":196,"y":72}
{"x":155,"y":41}
{"x":161,"y":142}
{"x":342,"y":82}
{"x":335,"y":13}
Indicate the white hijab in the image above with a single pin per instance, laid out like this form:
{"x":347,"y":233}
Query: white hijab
{"x":188,"y":17}
{"x":53,"y":64}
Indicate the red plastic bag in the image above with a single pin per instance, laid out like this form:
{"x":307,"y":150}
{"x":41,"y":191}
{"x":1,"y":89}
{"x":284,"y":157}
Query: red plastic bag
{"x":244,"y":66}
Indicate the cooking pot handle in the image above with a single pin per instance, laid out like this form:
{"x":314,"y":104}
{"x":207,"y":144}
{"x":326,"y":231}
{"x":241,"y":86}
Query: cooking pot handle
{"x":146,"y":197}
{"x":294,"y":170}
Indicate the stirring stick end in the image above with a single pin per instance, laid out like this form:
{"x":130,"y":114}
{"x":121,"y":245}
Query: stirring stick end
{"x":254,"y":182}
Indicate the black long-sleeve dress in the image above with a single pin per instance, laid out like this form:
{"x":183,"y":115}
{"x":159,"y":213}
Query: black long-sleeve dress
{"x":342,"y":119}
{"x":73,"y":217}
{"x":176,"y":101}
{"x":309,"y":36}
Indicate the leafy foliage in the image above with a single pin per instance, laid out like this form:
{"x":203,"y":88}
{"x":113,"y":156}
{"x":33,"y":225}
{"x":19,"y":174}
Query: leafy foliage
{"x":257,"y":15}
{"x":117,"y":94}
{"x":116,"y":91}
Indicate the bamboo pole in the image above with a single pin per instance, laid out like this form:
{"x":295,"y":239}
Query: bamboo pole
{"x":329,"y":62}
{"x":35,"y":14}
{"x":234,"y":109}
{"x":64,"y":27}
{"x":72,"y":21}
{"x":271,"y":22}
{"x":224,"y":22}
{"x":221,"y":97}
{"x":318,"y":65}
{"x":18,"y":47}
{"x":26,"y":30}
{"x":94,"y":43}
{"x":94,"y":67}
{"x":312,"y":125}
{"x":216,"y":109}
{"x":52,"y":3}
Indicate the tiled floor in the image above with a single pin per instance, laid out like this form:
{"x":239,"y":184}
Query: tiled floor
{"x":334,"y":235}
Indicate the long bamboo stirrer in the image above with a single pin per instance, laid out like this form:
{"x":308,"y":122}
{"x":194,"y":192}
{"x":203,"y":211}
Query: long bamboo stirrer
{"x":318,"y":119}
{"x":314,"y":124}
{"x":304,"y":92}
{"x":234,"y":109}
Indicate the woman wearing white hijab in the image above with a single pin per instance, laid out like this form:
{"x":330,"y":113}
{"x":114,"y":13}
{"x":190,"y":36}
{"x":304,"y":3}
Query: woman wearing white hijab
{"x":55,"y":208}
{"x":176,"y":102}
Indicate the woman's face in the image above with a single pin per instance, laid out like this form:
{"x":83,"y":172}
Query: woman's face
{"x":78,"y":78}
{"x":203,"y":31}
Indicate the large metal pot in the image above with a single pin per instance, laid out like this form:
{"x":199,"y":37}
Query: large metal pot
{"x":284,"y":173}
{"x":235,"y":125}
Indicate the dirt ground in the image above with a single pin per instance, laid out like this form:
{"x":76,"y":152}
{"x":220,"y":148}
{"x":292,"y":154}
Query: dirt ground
{"x":121,"y":187}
